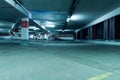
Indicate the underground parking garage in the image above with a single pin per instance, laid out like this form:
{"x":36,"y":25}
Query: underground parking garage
{"x":59,"y":40}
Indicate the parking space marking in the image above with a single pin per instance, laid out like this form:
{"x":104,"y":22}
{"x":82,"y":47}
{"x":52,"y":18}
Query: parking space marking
{"x":102,"y":76}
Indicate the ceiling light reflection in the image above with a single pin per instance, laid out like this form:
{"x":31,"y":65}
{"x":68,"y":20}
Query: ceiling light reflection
{"x":77,"y":17}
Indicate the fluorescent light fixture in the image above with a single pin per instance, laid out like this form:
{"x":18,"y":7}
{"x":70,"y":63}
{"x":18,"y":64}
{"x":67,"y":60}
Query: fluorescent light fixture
{"x":64,"y":30}
{"x":77,"y":17}
{"x":50,"y":25}
{"x":48,"y":22}
{"x":31,"y":27}
{"x":43,"y":27}
{"x":31,"y":36}
{"x":68,"y":19}
{"x":4,"y":30}
{"x":35,"y":28}
{"x":6,"y":24}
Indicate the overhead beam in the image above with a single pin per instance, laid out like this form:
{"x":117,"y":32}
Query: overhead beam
{"x":19,"y":7}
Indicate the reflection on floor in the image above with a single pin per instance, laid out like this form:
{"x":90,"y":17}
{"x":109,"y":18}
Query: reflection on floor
{"x":55,"y":60}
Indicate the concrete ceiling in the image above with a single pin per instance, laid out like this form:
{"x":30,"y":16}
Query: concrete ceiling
{"x":89,"y":10}
{"x":49,"y":11}
{"x":57,"y":11}
{"x":9,"y":13}
{"x":85,"y":12}
{"x":47,"y":5}
{"x":8,"y":17}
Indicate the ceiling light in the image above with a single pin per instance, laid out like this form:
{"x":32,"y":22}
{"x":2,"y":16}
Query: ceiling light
{"x":33,"y":27}
{"x":64,"y":30}
{"x":77,"y":17}
{"x":68,"y":19}
{"x":50,"y":25}
{"x":36,"y":28}
{"x":31,"y":36}
{"x":48,"y":22}
{"x":43,"y":27}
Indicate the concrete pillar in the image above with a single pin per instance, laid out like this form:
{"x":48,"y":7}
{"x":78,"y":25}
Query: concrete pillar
{"x":105,"y":28}
{"x":16,"y":35}
{"x":90,"y":33}
{"x":76,"y":35}
{"x":25,"y":29}
{"x":81,"y":35}
{"x":112,"y":29}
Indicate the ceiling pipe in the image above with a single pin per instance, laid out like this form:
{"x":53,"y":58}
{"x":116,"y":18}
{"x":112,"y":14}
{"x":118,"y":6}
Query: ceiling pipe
{"x":71,"y":11}
{"x":73,"y":7}
{"x":18,"y":1}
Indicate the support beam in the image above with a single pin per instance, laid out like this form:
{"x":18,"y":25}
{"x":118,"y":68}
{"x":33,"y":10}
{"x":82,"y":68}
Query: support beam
{"x":16,"y":34}
{"x":76,"y":35}
{"x":81,"y":35}
{"x":19,"y":7}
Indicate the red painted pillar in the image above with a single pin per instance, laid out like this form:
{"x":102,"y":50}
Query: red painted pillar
{"x":25,"y":29}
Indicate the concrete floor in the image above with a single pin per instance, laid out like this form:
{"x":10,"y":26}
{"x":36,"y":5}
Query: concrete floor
{"x":59,"y":61}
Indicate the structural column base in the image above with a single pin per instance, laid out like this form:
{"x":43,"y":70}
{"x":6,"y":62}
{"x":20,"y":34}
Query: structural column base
{"x":24,"y":42}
